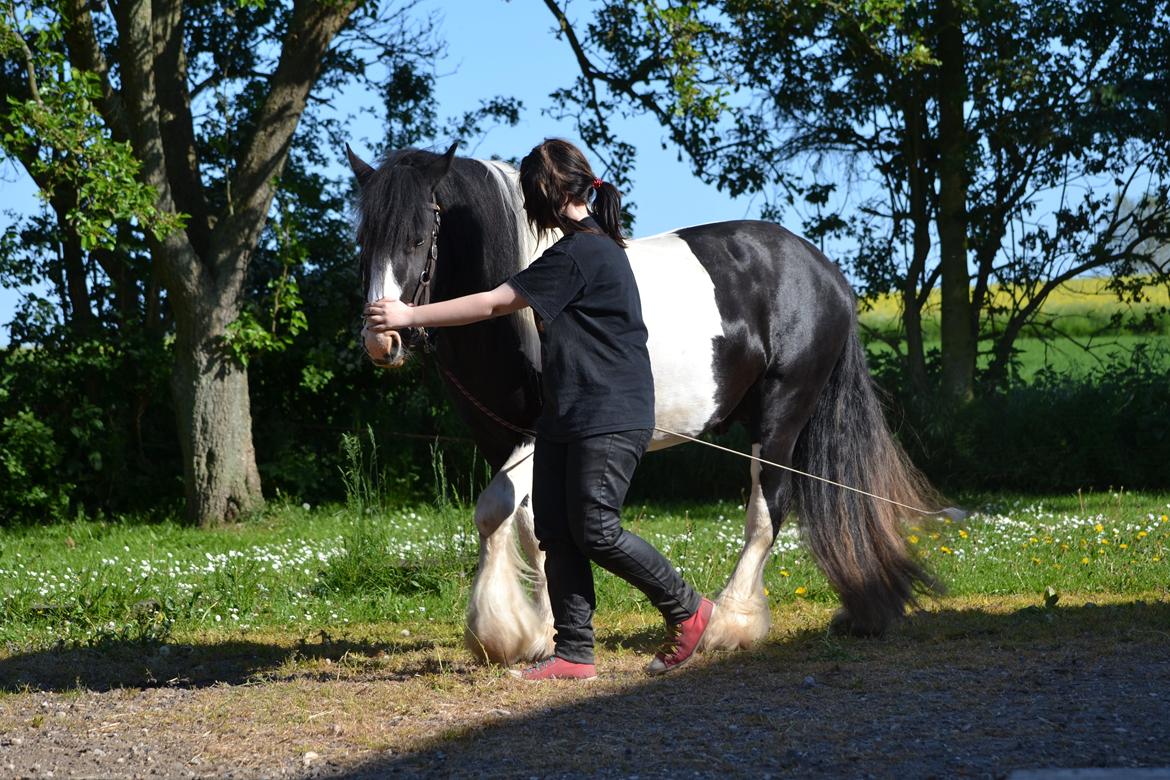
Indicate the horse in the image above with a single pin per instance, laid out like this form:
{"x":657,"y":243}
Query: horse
{"x":748,"y":323}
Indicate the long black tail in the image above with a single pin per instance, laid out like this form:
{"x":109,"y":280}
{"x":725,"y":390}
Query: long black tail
{"x":859,"y":541}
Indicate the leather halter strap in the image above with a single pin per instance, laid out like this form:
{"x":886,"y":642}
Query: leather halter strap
{"x":422,"y":289}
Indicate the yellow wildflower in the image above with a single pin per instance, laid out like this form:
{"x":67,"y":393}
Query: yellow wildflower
{"x":1142,"y":534}
{"x":1098,"y":528}
{"x":913,"y":539}
{"x":1123,"y":546}
{"x":801,"y":591}
{"x":785,"y":573}
{"x":963,"y":533}
{"x":946,"y":550}
{"x":1085,"y":559}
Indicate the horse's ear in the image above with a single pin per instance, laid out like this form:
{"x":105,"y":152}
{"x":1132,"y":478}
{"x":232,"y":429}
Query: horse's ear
{"x":443,"y":164}
{"x":361,"y":169}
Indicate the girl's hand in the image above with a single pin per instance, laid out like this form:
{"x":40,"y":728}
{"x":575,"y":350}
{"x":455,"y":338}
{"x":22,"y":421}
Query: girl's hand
{"x":388,"y":314}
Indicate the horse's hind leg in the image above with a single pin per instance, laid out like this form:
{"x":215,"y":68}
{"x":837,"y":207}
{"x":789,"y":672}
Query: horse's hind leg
{"x":503,"y":626}
{"x":741,"y":616}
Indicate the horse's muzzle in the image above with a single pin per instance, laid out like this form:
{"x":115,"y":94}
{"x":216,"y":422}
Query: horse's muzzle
{"x":385,"y":350}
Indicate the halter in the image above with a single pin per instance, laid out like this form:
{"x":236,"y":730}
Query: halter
{"x":422,"y":289}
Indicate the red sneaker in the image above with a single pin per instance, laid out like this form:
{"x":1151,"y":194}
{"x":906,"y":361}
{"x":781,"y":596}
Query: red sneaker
{"x":681,"y":641}
{"x":554,"y":668}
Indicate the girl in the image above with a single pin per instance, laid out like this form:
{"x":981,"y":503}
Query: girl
{"x":598,"y":412}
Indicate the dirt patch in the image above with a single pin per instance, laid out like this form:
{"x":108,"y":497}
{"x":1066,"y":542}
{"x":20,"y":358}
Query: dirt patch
{"x":978,"y":688}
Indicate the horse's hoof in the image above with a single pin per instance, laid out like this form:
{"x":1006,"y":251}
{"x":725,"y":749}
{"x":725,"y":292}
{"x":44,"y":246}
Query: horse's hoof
{"x":844,"y":624}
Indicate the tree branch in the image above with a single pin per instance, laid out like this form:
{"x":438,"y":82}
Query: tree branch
{"x":311,"y":31}
{"x":85,"y":54}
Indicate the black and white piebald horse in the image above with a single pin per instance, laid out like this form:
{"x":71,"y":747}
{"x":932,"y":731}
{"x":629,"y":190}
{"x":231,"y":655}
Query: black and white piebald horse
{"x":747,"y":323}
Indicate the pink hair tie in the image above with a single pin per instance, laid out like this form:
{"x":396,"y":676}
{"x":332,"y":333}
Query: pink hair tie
{"x":597,"y":184}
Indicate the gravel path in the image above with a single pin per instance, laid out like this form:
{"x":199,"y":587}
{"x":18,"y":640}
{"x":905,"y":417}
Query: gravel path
{"x":977,"y":692}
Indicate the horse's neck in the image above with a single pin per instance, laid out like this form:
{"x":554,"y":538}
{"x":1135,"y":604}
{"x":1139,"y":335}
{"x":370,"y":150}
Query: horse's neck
{"x":492,"y":208}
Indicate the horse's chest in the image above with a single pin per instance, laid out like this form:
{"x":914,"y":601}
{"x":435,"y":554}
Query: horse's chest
{"x":683,"y":321}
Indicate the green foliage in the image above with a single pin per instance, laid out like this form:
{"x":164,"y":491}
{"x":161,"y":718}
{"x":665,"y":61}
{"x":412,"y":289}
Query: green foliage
{"x":1107,"y":427}
{"x":60,"y":134}
{"x":83,"y":428}
{"x":31,"y":488}
{"x":247,"y":335}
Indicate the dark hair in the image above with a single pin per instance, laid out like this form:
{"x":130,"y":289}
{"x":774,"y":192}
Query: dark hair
{"x":556,"y":173}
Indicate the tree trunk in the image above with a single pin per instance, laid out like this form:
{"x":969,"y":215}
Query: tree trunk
{"x":214,"y":415}
{"x":917,"y":167}
{"x":959,"y":344}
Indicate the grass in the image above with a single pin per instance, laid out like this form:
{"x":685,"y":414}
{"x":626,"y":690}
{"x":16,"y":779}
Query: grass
{"x":302,"y":570}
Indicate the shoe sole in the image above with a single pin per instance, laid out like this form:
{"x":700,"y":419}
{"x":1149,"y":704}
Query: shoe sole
{"x":517,"y":676}
{"x":669,"y":669}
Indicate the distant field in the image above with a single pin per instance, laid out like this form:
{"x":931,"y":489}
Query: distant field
{"x":1085,"y":325}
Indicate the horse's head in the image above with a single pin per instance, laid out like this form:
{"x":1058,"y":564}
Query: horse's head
{"x":397,"y":232}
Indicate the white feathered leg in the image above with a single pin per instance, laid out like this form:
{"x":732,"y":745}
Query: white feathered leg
{"x":528,"y":541}
{"x":503,"y":626}
{"x":742,"y":616}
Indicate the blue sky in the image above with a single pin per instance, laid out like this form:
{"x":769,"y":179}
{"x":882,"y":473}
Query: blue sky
{"x":504,"y":48}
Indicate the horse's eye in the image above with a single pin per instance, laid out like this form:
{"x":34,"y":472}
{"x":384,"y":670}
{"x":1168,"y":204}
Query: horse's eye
{"x":418,"y":243}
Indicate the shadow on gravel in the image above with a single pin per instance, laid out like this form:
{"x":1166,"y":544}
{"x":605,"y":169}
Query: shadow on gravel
{"x":137,"y":665}
{"x":951,"y":693}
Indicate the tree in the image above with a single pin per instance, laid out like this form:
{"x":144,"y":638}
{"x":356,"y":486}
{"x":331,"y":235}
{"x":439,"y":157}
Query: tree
{"x":203,"y":102}
{"x":967,"y":145}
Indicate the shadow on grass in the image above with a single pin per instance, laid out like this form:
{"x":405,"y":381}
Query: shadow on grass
{"x":114,"y":665}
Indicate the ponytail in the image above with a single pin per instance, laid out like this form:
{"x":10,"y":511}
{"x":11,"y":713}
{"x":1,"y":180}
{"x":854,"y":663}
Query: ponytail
{"x":607,"y":210}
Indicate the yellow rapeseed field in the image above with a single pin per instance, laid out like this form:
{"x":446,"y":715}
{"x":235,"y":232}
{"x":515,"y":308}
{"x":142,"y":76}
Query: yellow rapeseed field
{"x":1089,"y":298}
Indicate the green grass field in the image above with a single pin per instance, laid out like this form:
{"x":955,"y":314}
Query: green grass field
{"x":1096,"y":326}
{"x":90,"y":583}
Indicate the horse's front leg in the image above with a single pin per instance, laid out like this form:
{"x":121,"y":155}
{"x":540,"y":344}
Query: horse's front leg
{"x":503,"y":624}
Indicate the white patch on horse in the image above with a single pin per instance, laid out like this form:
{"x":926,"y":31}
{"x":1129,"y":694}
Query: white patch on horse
{"x":682,"y":318}
{"x":531,"y":247}
{"x":382,"y":283}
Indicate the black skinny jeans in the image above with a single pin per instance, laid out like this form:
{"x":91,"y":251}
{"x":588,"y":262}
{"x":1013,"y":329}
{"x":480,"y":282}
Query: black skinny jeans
{"x":577,"y":494}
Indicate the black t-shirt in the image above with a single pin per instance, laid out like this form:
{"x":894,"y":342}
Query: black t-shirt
{"x":596,"y":374}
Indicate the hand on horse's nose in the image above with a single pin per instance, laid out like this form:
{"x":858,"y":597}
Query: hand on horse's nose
{"x":387,"y":314}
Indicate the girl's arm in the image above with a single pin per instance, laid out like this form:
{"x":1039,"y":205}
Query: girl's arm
{"x":388,"y":314}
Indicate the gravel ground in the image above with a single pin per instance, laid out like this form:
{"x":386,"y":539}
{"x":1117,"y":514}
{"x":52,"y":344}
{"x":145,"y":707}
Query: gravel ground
{"x":976,"y":692}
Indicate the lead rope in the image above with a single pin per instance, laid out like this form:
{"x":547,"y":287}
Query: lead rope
{"x":952,"y":512}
